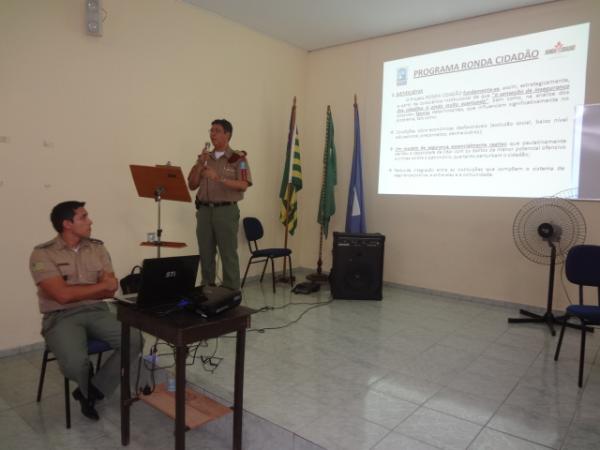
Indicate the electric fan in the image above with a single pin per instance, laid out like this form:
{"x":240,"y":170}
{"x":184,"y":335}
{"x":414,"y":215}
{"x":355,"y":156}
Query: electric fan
{"x":544,"y":230}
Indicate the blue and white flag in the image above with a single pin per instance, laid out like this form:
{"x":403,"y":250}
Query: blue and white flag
{"x":355,"y":214}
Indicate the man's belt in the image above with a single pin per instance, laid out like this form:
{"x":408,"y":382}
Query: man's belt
{"x":213,"y":204}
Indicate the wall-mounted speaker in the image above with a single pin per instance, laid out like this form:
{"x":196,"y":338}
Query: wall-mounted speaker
{"x":357,"y":272}
{"x":93,"y":17}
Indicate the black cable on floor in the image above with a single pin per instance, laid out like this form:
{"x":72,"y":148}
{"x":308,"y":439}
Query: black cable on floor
{"x":314,"y":305}
{"x":263,"y":329}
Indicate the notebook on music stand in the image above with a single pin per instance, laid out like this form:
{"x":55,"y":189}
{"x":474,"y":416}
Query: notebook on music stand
{"x":165,"y":282}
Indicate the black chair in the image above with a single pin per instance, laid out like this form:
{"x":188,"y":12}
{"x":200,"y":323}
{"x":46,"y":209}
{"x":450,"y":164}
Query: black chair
{"x":254,"y":231}
{"x":582,"y":267}
{"x":95,"y":347}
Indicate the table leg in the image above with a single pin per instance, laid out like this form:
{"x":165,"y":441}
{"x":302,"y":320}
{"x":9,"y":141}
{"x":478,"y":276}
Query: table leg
{"x":180,"y":356}
{"x":125,"y":389}
{"x":238,"y":393}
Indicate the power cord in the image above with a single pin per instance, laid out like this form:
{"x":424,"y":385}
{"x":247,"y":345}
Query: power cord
{"x":210,"y":363}
{"x":313,"y":305}
{"x":273,"y":308}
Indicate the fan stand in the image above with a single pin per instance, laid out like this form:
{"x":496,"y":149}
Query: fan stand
{"x":548,"y":317}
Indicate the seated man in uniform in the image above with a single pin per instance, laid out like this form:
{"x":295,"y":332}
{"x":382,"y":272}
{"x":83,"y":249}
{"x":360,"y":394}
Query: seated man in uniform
{"x":73,"y":273}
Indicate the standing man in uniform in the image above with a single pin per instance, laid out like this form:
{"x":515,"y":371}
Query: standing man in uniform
{"x":73,"y":273}
{"x":221,"y":177}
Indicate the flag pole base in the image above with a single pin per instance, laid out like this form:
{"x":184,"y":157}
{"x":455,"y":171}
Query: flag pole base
{"x":284,"y":279}
{"x":321,"y":278}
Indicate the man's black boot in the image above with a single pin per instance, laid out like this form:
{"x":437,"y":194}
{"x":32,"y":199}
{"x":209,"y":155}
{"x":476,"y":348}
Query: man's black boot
{"x":87,"y":407}
{"x":95,"y":393}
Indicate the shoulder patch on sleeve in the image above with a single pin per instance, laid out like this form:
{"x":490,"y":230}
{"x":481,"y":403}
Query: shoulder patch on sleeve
{"x":96,"y":241}
{"x":237,"y":156}
{"x":37,"y":266}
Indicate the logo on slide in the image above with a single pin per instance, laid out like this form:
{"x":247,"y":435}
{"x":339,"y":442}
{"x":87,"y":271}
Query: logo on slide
{"x":401,"y":76}
{"x":559,"y":47}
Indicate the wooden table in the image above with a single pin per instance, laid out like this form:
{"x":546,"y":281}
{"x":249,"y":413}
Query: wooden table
{"x":181,"y":329}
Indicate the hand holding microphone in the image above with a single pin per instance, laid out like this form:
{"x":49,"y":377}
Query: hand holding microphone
{"x":203,"y":157}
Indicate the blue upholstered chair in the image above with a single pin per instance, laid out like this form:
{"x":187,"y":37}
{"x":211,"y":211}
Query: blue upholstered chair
{"x":582,"y":267}
{"x":95,"y":347}
{"x":253,"y":230}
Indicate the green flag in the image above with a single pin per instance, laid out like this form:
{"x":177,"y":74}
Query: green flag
{"x":327,"y":203}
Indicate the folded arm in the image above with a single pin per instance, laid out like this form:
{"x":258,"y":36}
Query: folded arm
{"x":58,"y":290}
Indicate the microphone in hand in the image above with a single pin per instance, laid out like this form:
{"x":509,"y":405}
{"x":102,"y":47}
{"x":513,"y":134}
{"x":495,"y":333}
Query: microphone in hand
{"x":203,"y":157}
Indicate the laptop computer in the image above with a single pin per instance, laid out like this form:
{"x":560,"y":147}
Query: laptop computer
{"x":165,"y":281}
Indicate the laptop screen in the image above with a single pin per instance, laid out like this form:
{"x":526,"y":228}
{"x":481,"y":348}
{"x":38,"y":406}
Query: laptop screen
{"x":167,"y":280}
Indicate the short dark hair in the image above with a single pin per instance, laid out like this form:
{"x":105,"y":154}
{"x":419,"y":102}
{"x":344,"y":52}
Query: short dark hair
{"x":226,"y":124}
{"x":64,"y":211}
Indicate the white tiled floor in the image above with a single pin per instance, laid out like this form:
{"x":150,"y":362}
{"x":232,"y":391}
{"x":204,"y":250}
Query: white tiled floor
{"x":414,"y":371}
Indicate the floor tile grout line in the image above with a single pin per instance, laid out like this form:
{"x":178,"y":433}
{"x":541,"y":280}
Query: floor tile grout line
{"x":572,"y":421}
{"x":499,"y":406}
{"x":411,"y":437}
{"x":504,"y":402}
{"x":540,"y":356}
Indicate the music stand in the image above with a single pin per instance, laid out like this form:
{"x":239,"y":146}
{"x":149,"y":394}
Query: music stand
{"x":160,"y":183}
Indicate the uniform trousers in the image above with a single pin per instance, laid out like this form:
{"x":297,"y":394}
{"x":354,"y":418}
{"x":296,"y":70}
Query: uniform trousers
{"x":217,"y":226}
{"x":66,"y":333}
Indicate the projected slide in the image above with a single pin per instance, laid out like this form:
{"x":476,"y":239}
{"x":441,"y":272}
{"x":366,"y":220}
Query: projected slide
{"x":493,"y":119}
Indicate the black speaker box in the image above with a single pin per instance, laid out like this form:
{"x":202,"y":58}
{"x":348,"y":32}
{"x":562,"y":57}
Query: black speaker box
{"x":357,"y":272}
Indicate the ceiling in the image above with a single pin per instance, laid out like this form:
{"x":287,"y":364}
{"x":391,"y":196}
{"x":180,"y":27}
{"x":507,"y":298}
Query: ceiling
{"x":316,"y":24}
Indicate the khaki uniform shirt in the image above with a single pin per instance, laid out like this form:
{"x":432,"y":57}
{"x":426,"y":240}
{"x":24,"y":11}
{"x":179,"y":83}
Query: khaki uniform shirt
{"x":232,"y":166}
{"x":55,"y":258}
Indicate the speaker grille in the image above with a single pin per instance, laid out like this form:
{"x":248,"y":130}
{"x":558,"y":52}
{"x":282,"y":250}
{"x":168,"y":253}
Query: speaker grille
{"x":359,"y":276}
{"x":357,"y":272}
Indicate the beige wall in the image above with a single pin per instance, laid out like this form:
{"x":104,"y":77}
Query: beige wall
{"x":144,"y":93}
{"x":460,"y":245}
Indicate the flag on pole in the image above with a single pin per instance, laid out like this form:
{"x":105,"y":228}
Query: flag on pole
{"x":355,"y":214}
{"x":327,"y":203}
{"x":291,"y":182}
